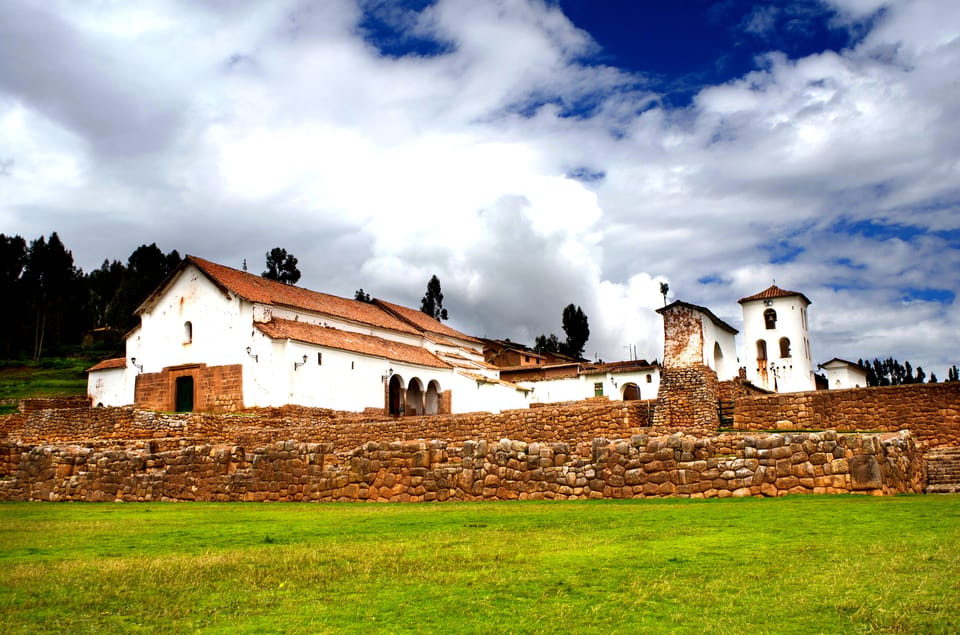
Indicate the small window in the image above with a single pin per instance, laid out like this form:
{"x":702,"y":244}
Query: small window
{"x":351,"y":365}
{"x":770,"y":319}
{"x":761,"y":350}
{"x":598,"y":389}
{"x":784,"y":347}
{"x":320,"y":359}
{"x":187,"y":332}
{"x":649,"y":379}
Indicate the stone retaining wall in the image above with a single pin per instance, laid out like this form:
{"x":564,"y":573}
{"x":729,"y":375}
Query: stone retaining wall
{"x":577,"y":424}
{"x":930,"y":411}
{"x":642,"y":466}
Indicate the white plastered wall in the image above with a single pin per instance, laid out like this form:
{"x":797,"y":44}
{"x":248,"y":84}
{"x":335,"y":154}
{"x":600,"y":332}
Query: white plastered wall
{"x":785,"y":374}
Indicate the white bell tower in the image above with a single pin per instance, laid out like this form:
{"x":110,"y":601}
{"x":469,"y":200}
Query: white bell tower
{"x":777,"y":340}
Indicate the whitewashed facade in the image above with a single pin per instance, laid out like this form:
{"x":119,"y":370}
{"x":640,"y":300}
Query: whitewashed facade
{"x":295,"y":346}
{"x":776,"y":349}
{"x":844,"y":374}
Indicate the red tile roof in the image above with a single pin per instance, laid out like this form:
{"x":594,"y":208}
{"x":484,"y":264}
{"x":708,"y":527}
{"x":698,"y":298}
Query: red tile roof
{"x":771,"y":292}
{"x":107,"y":364}
{"x":423,"y":321}
{"x":254,"y":288}
{"x":345,"y":340}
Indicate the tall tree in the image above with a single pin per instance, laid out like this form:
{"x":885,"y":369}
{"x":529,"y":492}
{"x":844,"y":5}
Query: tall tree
{"x":577,"y":328}
{"x":281,"y":266}
{"x":432,"y":302}
{"x":664,"y":290}
{"x":146,"y":268}
{"x":51,"y":281}
{"x":13,"y":258}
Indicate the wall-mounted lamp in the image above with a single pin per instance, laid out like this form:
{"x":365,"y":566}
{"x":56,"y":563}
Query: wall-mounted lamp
{"x":387,"y":375}
{"x":297,"y":365}
{"x":613,"y":381}
{"x":133,"y":362}
{"x":255,"y":357}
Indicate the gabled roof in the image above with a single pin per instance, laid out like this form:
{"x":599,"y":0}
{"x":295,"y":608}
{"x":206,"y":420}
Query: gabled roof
{"x":254,"y":288}
{"x":679,"y":303}
{"x":843,"y":362}
{"x":771,"y":292}
{"x":109,"y":364}
{"x":328,"y":337}
{"x":424,"y":322}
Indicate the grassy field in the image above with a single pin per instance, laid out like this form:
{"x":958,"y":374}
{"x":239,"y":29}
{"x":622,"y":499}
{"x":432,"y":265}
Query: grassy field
{"x":798,"y":565}
{"x":53,"y":377}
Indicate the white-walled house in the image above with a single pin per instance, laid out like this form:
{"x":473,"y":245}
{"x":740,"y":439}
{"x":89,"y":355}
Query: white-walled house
{"x":777,"y":340}
{"x":215,"y":338}
{"x":842,"y":373}
{"x":575,"y":381}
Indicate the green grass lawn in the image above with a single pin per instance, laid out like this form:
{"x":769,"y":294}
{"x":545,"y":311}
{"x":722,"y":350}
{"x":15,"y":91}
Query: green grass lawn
{"x":797,"y":565}
{"x":53,"y":377}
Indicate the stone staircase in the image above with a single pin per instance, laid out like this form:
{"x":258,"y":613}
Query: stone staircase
{"x":943,"y":471}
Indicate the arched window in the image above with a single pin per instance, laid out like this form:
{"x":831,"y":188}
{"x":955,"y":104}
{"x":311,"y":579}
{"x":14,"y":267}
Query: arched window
{"x":784,"y":347}
{"x":770,"y":319}
{"x":649,"y":379}
{"x":761,"y":350}
{"x":187,"y":332}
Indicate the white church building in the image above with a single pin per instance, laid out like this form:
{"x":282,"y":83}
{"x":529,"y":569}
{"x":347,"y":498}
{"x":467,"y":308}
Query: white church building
{"x":215,"y":338}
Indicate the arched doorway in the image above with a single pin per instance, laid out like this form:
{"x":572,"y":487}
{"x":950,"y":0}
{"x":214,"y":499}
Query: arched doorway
{"x":433,"y":398}
{"x":631,"y":392}
{"x":414,"y":405}
{"x":718,"y":360}
{"x":395,"y":396}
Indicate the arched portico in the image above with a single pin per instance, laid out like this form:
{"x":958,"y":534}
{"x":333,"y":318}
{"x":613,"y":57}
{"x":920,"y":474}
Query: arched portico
{"x":433,"y":398}
{"x":414,"y":402}
{"x":395,"y":395}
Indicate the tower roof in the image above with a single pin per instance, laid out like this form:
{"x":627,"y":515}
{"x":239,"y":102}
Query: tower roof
{"x":771,"y":292}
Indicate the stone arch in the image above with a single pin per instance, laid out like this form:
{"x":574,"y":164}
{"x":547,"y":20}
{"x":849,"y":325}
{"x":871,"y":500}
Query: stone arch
{"x":630,"y":392}
{"x":432,"y":401}
{"x":718,"y":360}
{"x":414,"y":401}
{"x":395,"y":395}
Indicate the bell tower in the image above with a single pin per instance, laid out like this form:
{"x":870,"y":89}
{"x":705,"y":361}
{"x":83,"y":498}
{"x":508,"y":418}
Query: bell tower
{"x":777,"y":340}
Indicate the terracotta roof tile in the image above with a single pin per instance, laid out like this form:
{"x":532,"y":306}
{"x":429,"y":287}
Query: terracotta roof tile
{"x":424,"y":322}
{"x":771,"y":292}
{"x":254,"y":288}
{"x":348,"y":341}
{"x":107,"y":364}
{"x":489,"y":380}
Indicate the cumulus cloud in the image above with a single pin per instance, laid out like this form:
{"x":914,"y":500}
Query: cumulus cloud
{"x":476,"y":140}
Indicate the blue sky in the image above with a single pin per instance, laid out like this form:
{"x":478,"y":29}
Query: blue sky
{"x":531,"y":153}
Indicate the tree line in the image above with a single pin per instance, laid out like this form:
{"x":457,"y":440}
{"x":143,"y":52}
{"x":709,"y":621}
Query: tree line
{"x":890,"y":372}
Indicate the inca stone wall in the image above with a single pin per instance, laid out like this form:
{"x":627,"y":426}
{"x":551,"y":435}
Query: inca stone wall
{"x":216,"y":388}
{"x":577,"y":424}
{"x":930,"y":411}
{"x":397,"y":471}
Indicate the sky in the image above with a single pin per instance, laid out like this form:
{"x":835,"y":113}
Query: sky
{"x":530,"y":153}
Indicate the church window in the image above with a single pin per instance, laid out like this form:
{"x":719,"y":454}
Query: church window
{"x":598,"y":389}
{"x":770,"y":319}
{"x":187,"y":332}
{"x":784,"y":347}
{"x":761,"y":350}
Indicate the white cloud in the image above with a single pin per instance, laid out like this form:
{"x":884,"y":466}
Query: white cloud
{"x":224,"y":130}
